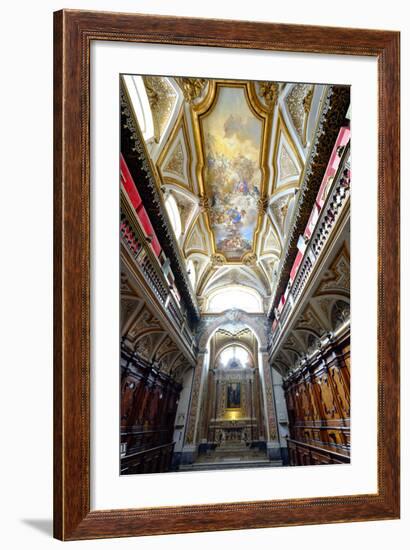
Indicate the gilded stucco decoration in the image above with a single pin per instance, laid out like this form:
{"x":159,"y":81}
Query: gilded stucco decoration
{"x":162,"y":99}
{"x":250,"y":259}
{"x":175,"y":163}
{"x":298,"y":102}
{"x":269,"y":91}
{"x":279,"y":211}
{"x":219,"y":149}
{"x":337,"y":278}
{"x":288,"y":167}
{"x":204,"y":203}
{"x":192,"y":88}
{"x":217,"y":260}
{"x":310,"y":321}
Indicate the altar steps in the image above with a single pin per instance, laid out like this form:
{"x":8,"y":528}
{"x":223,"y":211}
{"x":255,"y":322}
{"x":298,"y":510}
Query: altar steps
{"x":231,"y":455}
{"x":230,"y":465}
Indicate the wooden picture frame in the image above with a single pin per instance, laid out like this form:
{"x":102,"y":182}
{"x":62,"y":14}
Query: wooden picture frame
{"x":74,"y":32}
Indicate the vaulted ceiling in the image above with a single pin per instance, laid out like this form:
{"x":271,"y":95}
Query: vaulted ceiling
{"x":231,"y":154}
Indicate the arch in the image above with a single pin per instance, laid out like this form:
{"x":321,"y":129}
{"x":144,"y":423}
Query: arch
{"x":324,"y":303}
{"x":243,"y":345}
{"x":239,"y":319}
{"x":234,"y":345}
{"x":234,"y":316}
{"x":247,"y":298}
{"x":340,"y":313}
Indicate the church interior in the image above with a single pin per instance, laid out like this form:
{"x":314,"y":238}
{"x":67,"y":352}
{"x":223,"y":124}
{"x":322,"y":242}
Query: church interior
{"x":235,"y":274}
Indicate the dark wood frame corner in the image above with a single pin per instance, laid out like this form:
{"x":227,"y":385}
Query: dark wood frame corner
{"x":73,"y":33}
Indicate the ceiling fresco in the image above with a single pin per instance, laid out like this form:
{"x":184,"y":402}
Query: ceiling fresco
{"x":232,"y":137}
{"x":231,"y":153}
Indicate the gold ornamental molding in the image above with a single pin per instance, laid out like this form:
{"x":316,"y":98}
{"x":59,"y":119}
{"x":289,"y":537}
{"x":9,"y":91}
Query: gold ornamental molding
{"x":281,"y":128}
{"x":270,"y":93}
{"x":298,"y":103}
{"x":180,"y":124}
{"x":192,"y":88}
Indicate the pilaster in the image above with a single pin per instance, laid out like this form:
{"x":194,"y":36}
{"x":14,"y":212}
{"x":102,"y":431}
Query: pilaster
{"x":190,"y":443}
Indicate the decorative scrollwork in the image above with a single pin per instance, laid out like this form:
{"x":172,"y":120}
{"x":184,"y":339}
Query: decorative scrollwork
{"x":192,"y":88}
{"x":270,"y":93}
{"x":217,"y":260}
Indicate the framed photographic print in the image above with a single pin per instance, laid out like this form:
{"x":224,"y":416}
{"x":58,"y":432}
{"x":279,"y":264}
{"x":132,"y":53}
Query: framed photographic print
{"x":226,"y":275}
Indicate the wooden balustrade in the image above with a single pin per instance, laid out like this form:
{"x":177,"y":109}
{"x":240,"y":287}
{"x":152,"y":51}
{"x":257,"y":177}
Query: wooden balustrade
{"x":302,"y":453}
{"x":336,"y":199}
{"x":149,"y":400}
{"x":157,"y":459}
{"x":149,"y":266}
{"x":318,"y":403}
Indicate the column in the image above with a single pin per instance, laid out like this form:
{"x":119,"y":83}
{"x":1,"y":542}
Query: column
{"x":190,"y":449}
{"x":272,"y":443}
{"x":181,"y":417}
{"x":281,"y":414}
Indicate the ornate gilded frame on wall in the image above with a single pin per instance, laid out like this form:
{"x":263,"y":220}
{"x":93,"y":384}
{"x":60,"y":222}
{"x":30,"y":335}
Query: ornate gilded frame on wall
{"x":73,"y":33}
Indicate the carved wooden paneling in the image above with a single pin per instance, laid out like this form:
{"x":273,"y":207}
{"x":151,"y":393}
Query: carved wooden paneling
{"x":149,"y":399}
{"x":318,"y":402}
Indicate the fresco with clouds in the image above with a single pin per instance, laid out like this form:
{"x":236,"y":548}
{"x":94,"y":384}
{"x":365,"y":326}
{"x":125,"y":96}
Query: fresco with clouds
{"x":232,"y":178}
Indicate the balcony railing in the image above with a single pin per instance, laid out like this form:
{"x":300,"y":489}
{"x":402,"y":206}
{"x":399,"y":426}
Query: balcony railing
{"x":336,"y":200}
{"x":302,"y":453}
{"x":157,"y":459}
{"x":137,"y":245}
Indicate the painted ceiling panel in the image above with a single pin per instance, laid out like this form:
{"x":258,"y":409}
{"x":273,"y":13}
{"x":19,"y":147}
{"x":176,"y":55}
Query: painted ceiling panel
{"x":288,"y":167}
{"x":231,"y":153}
{"x":232,"y":137}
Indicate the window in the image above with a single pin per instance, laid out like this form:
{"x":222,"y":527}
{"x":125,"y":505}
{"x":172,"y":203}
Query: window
{"x":138,"y":95}
{"x":234,"y":357}
{"x":235,"y":297}
{"x":173,"y":213}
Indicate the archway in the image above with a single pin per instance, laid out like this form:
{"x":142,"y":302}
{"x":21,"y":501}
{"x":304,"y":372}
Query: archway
{"x":235,"y":405}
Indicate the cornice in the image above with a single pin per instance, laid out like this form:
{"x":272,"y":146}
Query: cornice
{"x":136,"y":156}
{"x":332,"y":117}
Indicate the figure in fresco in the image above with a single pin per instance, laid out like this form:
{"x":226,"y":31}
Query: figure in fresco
{"x":235,"y":216}
{"x":244,"y":189}
{"x":241,"y":187}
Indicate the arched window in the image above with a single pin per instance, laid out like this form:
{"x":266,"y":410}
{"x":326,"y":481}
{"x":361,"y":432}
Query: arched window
{"x":234,"y":357}
{"x":173,"y":213}
{"x":238,"y":297}
{"x":140,"y":102}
